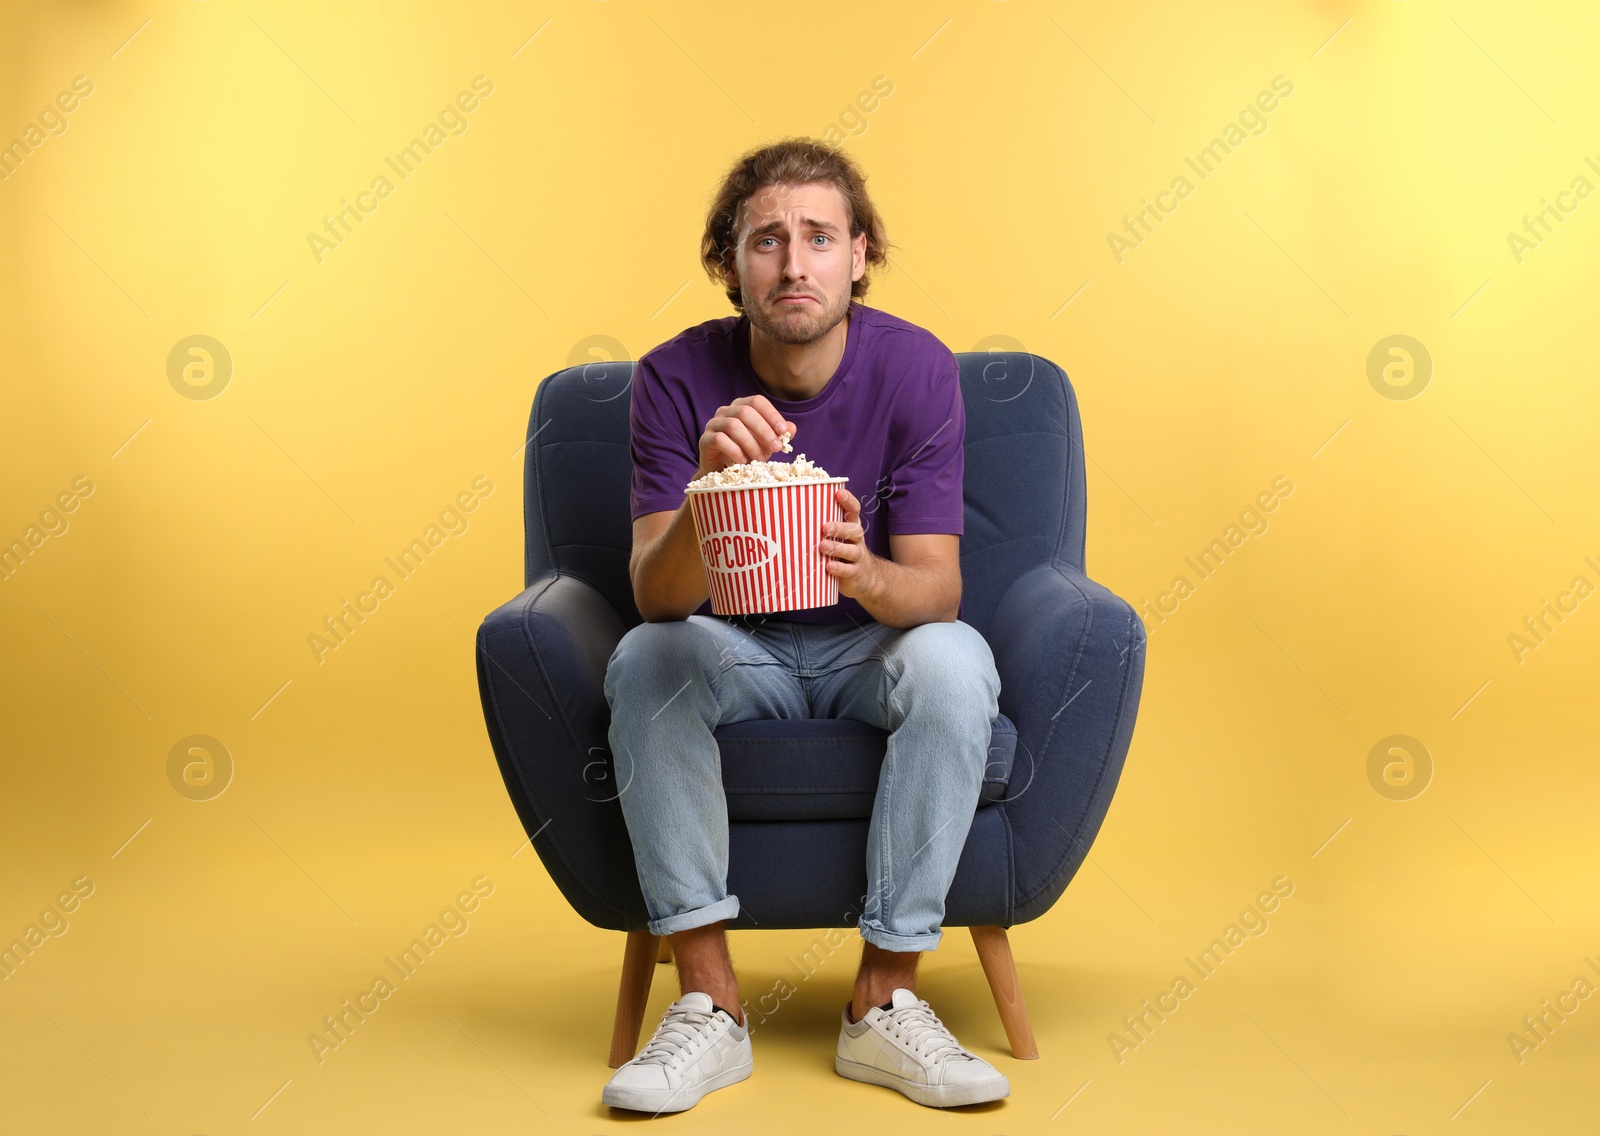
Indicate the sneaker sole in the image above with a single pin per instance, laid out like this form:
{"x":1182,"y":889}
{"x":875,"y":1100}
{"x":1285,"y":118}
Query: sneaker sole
{"x":935,"y":1096}
{"x":674,"y":1100}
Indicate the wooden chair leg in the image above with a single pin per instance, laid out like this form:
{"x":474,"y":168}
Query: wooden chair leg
{"x":666,"y":950}
{"x":638,"y":959}
{"x":994,"y":952}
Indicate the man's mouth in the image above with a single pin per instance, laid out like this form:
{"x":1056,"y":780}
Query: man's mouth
{"x":795,"y":299}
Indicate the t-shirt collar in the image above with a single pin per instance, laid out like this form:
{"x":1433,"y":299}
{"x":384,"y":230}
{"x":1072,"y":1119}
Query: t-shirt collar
{"x":853,"y":336}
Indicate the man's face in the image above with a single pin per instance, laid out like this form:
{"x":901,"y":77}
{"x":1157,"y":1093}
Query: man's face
{"x":795,"y":260}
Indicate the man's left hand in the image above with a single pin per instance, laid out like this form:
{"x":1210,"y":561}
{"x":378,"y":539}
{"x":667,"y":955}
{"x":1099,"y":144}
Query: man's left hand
{"x":844,"y":547}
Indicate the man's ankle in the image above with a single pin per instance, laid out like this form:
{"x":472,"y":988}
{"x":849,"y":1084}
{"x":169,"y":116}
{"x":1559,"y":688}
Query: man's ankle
{"x":866,"y":1002}
{"x":728,"y":1003}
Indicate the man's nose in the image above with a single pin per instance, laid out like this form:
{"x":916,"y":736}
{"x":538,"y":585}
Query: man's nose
{"x":793,"y":266}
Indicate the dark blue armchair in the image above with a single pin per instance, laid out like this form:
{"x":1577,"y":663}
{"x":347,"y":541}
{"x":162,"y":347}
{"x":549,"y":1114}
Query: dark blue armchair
{"x":1070,"y":655}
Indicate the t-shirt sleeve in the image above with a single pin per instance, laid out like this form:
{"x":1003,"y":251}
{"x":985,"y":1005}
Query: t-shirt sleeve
{"x":927,"y":480}
{"x":665,"y":452}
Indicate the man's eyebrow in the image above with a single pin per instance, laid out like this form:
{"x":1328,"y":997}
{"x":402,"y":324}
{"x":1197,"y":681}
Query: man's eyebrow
{"x":809,"y":222}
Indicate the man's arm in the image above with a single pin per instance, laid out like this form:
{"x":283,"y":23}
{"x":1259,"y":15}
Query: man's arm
{"x":669,"y":578}
{"x":920,"y":582}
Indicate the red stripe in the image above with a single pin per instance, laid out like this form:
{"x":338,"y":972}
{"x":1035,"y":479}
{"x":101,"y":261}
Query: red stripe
{"x":771,"y":570}
{"x":708,"y":524}
{"x":752,"y":580}
{"x":819,"y":563}
{"x":747,"y":579}
{"x":802,"y":571}
{"x":739,"y":580}
{"x":820,"y":504}
{"x":819,"y":577}
{"x":783,"y":528}
{"x":749,"y":576}
{"x":792,"y":513}
{"x":826,"y":583}
{"x":764,"y":576}
{"x":833,"y":590}
{"x":716,"y":526}
{"x":814,"y":535}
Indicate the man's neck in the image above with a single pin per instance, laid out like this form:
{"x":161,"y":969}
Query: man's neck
{"x":798,"y":371}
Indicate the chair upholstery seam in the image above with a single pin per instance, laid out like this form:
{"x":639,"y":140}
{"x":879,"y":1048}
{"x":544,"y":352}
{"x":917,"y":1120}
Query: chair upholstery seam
{"x":534,"y":447}
{"x":1122,"y":704}
{"x":1077,"y":658}
{"x":560,"y":714}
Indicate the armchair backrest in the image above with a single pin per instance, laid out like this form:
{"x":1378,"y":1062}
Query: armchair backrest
{"x":1023,"y":481}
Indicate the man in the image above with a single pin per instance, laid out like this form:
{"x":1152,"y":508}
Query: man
{"x":877,"y":400}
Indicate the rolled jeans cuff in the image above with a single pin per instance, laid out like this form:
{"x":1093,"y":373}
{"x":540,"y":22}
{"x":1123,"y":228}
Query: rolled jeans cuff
{"x":878,"y":936}
{"x":725,"y":908}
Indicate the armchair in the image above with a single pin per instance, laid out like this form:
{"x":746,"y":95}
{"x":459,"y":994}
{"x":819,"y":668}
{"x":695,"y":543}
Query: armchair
{"x":1070,"y":656}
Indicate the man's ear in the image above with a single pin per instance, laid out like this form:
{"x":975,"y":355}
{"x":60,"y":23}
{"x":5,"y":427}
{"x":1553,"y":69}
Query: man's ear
{"x":730,"y":274}
{"x":858,"y":256}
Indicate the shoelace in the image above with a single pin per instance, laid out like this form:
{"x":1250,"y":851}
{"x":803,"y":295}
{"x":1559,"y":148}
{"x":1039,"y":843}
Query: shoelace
{"x":677,"y":1034}
{"x":926,"y":1033}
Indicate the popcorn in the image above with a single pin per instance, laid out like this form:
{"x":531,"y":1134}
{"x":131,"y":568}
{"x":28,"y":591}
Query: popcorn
{"x":783,"y":441}
{"x":762,"y":472}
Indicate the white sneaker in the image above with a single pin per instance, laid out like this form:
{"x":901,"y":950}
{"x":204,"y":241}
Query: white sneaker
{"x":693,"y":1051}
{"x":908,"y":1048}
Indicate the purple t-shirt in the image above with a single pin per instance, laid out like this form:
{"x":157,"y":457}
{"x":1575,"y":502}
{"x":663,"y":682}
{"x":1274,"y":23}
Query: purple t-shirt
{"x":890,"y":419}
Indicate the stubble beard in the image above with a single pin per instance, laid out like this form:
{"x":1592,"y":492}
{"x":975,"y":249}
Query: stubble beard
{"x":807,"y":324}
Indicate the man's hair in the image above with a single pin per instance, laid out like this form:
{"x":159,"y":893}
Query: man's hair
{"x":790,"y":161}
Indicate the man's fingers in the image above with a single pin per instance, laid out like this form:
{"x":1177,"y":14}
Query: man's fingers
{"x":771,"y":417}
{"x":761,"y":430}
{"x":751,"y":426}
{"x":724,"y":447}
{"x":739,"y":433}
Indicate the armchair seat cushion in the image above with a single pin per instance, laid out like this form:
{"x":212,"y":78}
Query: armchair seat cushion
{"x":825,"y":768}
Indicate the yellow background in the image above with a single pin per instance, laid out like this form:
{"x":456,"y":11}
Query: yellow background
{"x":372,"y":387}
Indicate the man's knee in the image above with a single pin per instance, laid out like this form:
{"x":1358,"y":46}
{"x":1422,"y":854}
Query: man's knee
{"x":947,"y":659}
{"x":671,"y":648}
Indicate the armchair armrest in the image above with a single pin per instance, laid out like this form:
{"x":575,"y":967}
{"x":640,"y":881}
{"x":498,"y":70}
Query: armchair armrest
{"x":1070,"y":655}
{"x":541,"y":661}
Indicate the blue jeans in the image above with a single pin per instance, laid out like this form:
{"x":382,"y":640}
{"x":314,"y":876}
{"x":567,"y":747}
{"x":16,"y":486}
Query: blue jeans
{"x":933,"y":687}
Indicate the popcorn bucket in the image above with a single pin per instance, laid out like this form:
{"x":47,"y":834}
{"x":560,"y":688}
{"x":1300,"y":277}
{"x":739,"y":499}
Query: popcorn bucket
{"x":759,"y":544}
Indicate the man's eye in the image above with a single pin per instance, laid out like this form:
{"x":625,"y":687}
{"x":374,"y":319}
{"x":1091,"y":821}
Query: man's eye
{"x":763,"y":241}
{"x":821,"y":237}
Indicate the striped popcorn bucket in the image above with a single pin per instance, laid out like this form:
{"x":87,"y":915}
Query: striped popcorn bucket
{"x":759,"y":544}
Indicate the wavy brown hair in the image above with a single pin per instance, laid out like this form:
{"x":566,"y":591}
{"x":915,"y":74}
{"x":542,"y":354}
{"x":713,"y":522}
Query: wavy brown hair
{"x":790,"y":161}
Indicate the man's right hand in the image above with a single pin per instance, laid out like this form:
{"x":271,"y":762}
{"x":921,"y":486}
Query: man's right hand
{"x":746,"y":430}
